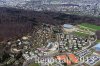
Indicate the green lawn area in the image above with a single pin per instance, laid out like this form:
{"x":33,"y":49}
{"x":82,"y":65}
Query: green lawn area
{"x":85,"y":28}
{"x":90,"y":26}
{"x":98,"y":41}
{"x":80,"y":34}
{"x":34,"y":64}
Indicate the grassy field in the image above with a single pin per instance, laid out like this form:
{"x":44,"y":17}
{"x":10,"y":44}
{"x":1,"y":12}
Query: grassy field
{"x":80,"y":34}
{"x":34,"y":64}
{"x":90,"y":26}
{"x":98,"y":41}
{"x":85,"y":28}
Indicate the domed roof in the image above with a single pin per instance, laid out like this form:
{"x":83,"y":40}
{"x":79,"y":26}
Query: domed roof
{"x":67,"y":26}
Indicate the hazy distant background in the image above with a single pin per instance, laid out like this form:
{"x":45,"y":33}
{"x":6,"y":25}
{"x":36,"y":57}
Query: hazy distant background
{"x":80,"y":7}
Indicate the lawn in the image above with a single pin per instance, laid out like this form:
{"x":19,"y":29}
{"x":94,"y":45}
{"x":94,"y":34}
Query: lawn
{"x":85,"y":28}
{"x":90,"y":26}
{"x":34,"y":64}
{"x":80,"y":34}
{"x":98,"y":41}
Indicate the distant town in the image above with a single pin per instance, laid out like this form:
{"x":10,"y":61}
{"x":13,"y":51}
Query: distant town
{"x":62,"y":45}
{"x":80,"y":7}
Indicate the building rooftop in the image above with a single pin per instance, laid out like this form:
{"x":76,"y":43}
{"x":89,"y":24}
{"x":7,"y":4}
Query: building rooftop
{"x":67,"y":26}
{"x":73,"y":58}
{"x":61,"y":57}
{"x":64,"y":58}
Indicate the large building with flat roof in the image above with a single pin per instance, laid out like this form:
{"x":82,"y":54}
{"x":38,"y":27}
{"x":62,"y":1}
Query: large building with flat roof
{"x":68,"y":28}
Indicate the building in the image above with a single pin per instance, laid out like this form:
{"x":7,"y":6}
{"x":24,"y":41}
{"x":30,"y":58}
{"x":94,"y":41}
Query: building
{"x":64,"y":58}
{"x":68,"y":28}
{"x":97,"y":47}
{"x":53,"y":46}
{"x":73,"y":58}
{"x":29,"y":56}
{"x":42,"y":49}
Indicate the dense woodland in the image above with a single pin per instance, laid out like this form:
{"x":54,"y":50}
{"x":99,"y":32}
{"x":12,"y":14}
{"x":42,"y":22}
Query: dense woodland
{"x":15,"y":23}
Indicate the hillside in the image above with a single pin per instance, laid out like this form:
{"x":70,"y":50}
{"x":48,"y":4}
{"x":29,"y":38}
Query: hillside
{"x":15,"y":23}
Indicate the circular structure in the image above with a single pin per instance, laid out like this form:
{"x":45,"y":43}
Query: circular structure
{"x":69,"y":28}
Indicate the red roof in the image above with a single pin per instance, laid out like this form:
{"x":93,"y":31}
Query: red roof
{"x":73,"y":58}
{"x":64,"y":58}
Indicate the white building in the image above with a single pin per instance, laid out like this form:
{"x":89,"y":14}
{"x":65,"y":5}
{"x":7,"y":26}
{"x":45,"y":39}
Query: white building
{"x":69,"y":28}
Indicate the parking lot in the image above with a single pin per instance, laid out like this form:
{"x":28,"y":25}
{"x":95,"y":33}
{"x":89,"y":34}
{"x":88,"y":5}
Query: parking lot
{"x":92,"y":60}
{"x":83,"y":53}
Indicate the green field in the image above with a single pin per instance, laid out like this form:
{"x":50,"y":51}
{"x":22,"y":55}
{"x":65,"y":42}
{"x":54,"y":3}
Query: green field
{"x":98,"y":41}
{"x":80,"y":34}
{"x":85,"y":28}
{"x":90,"y":26}
{"x":34,"y":64}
